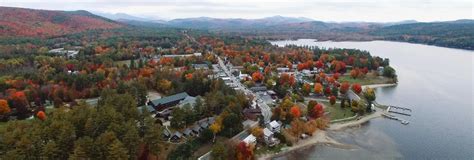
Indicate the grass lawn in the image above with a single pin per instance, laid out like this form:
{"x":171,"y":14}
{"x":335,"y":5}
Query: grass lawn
{"x":264,"y":149}
{"x":367,"y":80}
{"x":336,"y":112}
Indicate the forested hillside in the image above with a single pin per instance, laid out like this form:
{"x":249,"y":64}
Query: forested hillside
{"x":455,"y":34}
{"x":41,"y":23}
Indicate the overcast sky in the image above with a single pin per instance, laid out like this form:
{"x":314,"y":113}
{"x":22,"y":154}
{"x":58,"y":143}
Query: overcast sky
{"x":325,"y":10}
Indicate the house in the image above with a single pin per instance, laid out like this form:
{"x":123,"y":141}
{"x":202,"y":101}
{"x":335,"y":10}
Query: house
{"x":196,"y":129}
{"x":283,"y":69}
{"x":274,"y":126}
{"x":204,"y":124}
{"x":68,"y":53}
{"x":176,"y":136}
{"x":259,"y":89}
{"x":188,"y":132}
{"x":211,"y":120}
{"x":380,"y":70}
{"x":166,"y":133}
{"x":200,"y":66}
{"x":166,"y":102}
{"x":252,"y":113}
{"x":250,"y":139}
{"x":268,"y":137}
{"x":197,"y":54}
{"x":244,"y":76}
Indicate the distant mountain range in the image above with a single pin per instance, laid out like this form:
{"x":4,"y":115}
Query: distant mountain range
{"x":42,"y":23}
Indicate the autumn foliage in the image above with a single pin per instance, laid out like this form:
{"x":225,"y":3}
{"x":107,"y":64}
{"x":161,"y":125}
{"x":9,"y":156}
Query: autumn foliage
{"x":244,"y":151}
{"x":344,"y":87}
{"x":357,"y":88}
{"x":42,"y":23}
{"x":318,"y":88}
{"x":332,"y":100}
{"x":295,"y":111}
{"x":257,"y":77}
{"x":4,"y":108}
{"x":317,"y":111}
{"x":41,"y":115}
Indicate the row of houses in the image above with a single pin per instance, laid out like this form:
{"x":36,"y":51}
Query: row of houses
{"x":268,"y":134}
{"x":193,"y":130}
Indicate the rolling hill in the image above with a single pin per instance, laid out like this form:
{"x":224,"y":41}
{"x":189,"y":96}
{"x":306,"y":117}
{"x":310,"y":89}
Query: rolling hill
{"x":20,"y":22}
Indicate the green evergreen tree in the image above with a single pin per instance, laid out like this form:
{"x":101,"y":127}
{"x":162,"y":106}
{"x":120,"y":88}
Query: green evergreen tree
{"x":132,"y":64}
{"x":51,"y":151}
{"x":116,"y":151}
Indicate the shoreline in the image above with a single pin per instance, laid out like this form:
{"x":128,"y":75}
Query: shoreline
{"x":379,"y":85}
{"x":321,"y":137}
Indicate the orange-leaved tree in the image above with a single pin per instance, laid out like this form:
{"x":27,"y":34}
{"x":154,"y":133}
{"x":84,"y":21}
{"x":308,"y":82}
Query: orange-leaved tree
{"x":4,"y":108}
{"x":41,"y":115}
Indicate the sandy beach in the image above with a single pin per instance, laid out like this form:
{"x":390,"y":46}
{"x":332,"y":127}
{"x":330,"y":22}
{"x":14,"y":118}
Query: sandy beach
{"x":321,"y":137}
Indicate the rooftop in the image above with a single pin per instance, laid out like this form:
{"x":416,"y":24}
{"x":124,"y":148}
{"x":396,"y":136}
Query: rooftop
{"x":169,"y":99}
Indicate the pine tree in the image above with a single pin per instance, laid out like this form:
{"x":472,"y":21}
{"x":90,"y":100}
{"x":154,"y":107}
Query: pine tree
{"x":140,"y":63}
{"x":78,"y":154}
{"x":51,"y":151}
{"x":131,"y":139}
{"x":132,"y":64}
{"x":117,"y":151}
{"x":152,"y":136}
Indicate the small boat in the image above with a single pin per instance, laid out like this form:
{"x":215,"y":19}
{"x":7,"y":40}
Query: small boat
{"x":405,"y":122}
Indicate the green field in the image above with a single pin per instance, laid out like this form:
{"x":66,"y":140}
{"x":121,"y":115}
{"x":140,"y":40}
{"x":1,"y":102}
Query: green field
{"x":367,"y":80}
{"x":336,"y":112}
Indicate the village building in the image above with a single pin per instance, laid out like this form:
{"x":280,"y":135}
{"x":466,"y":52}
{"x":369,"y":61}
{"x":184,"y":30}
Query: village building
{"x":196,"y":129}
{"x":274,"y":126}
{"x":202,"y":66}
{"x":269,"y":138}
{"x":250,"y":139}
{"x":167,"y":102}
{"x":188,"y":132}
{"x":68,"y":53}
{"x":176,"y":136}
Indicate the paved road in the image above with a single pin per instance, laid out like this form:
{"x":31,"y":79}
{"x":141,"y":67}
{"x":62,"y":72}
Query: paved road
{"x":266,"y":111}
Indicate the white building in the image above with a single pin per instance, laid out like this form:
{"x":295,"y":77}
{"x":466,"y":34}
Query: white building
{"x":250,"y":139}
{"x":274,"y":126}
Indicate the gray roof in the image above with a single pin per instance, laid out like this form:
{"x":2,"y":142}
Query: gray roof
{"x":169,"y":99}
{"x":166,"y":132}
{"x":211,"y":120}
{"x":187,"y":131}
{"x":256,"y":89}
{"x":267,"y":132}
{"x":201,"y":66}
{"x":188,"y":100}
{"x":147,"y":107}
{"x":204,"y":124}
{"x":352,"y":96}
{"x":178,"y":134}
{"x":196,"y":128}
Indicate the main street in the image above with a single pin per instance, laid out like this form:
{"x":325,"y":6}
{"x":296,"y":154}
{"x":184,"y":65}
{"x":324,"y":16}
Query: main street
{"x":265,"y":109}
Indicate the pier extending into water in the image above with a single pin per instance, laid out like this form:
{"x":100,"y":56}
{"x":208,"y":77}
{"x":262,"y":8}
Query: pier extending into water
{"x":402,"y":112}
{"x":405,"y":122}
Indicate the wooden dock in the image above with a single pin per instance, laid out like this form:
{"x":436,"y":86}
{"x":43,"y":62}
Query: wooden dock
{"x":389,"y":116}
{"x":390,"y":109}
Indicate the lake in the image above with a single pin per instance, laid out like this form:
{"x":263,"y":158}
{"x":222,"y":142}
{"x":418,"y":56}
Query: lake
{"x":435,"y":82}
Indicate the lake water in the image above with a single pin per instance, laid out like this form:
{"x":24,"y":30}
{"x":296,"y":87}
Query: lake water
{"x":435,"y":82}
